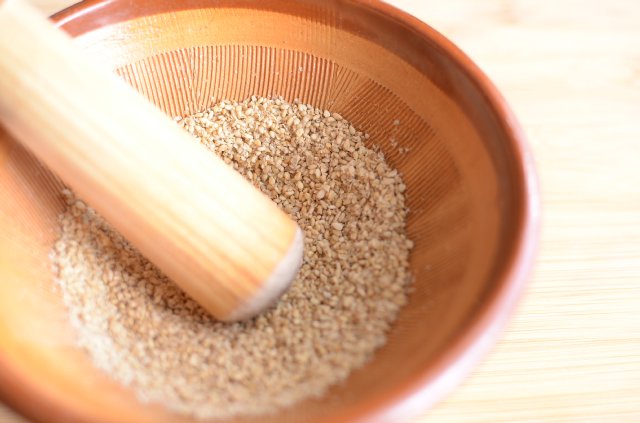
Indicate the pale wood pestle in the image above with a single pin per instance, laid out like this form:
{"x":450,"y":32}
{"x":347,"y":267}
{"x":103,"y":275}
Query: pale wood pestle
{"x":221,"y":240}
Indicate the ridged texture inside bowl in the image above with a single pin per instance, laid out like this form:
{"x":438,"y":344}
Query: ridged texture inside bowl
{"x":422,"y":111}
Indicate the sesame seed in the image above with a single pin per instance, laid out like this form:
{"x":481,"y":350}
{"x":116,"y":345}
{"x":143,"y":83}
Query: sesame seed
{"x":144,"y":332}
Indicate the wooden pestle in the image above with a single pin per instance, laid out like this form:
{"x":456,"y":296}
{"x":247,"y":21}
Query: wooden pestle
{"x":221,"y":240}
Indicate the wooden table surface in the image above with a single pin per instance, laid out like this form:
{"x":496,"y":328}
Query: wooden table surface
{"x":571,"y":71}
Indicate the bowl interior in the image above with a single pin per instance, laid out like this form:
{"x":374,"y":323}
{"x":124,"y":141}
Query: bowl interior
{"x":399,"y":85}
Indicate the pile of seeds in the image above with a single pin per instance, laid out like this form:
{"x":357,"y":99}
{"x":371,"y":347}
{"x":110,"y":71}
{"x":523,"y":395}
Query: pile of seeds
{"x":144,"y":332}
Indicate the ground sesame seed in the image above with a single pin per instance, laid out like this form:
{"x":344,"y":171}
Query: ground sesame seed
{"x":143,"y":331}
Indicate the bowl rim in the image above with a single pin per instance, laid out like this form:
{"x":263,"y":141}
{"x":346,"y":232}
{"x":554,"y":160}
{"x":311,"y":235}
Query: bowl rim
{"x":423,"y":389}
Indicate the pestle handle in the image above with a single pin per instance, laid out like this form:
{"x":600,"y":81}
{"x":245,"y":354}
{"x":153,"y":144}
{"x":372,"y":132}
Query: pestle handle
{"x":221,"y":240}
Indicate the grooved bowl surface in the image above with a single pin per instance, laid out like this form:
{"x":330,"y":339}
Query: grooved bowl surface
{"x":470,"y":188}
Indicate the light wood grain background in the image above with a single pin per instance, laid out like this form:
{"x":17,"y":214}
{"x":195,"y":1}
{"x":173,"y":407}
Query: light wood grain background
{"x":571,"y":71}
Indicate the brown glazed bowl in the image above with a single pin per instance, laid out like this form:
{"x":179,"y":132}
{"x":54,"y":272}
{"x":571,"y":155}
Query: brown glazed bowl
{"x":471,"y":189}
